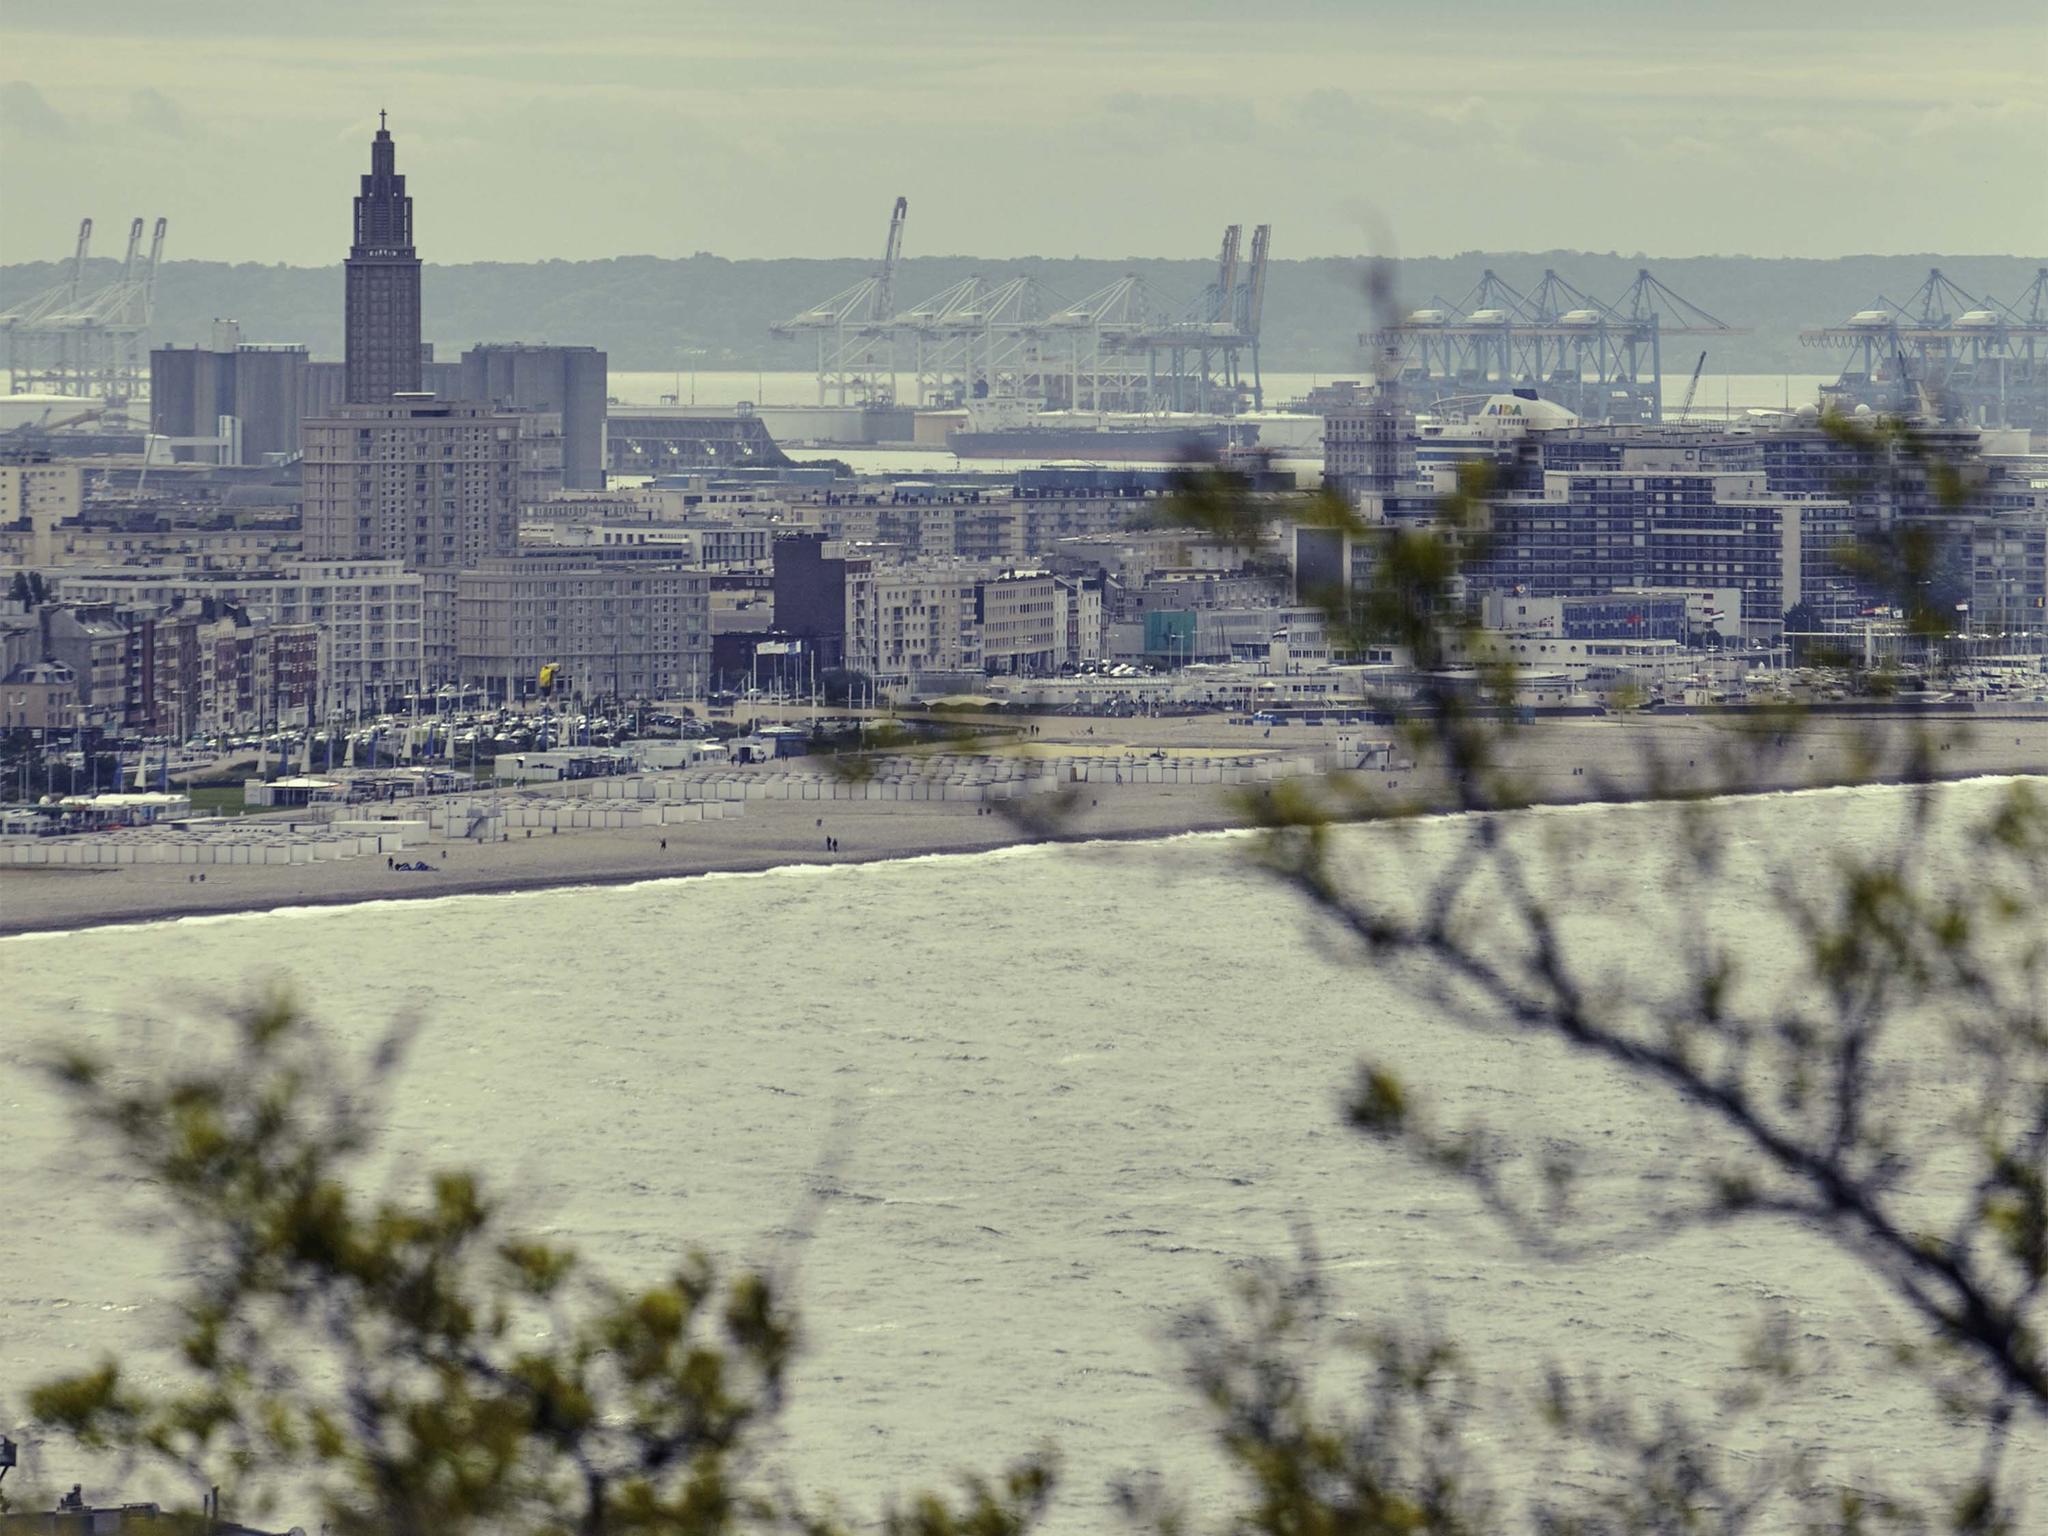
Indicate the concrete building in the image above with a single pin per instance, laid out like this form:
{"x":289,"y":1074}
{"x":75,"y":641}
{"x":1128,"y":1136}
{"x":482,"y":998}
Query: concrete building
{"x":96,"y":647}
{"x":2008,"y":570}
{"x":36,"y":494}
{"x":1023,"y":619}
{"x":1368,"y":449}
{"x":540,"y":456}
{"x":1087,"y":619}
{"x":215,"y":668}
{"x":186,"y":549}
{"x":383,"y":284}
{"x":924,"y":521}
{"x":905,"y":620}
{"x":1596,"y":532}
{"x":323,"y":382}
{"x":569,"y":382}
{"x":369,"y":613}
{"x":244,"y":395}
{"x":431,"y":483}
{"x":954,"y":618}
{"x":635,"y":627}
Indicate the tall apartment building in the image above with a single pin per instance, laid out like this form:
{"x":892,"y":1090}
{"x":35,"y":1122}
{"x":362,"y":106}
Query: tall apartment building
{"x":433,"y":484}
{"x":41,"y":494}
{"x":2008,"y":570}
{"x":382,"y":343}
{"x":915,"y":618}
{"x":632,"y":627}
{"x":1367,"y":449}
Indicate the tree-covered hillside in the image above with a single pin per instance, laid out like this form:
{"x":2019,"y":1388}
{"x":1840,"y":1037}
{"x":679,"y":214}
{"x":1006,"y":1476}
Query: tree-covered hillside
{"x":651,"y":312}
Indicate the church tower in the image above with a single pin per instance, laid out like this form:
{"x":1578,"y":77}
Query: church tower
{"x":383,"y":346}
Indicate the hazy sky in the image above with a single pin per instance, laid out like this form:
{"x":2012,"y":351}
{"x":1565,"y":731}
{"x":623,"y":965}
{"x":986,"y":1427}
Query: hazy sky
{"x":582,"y":128}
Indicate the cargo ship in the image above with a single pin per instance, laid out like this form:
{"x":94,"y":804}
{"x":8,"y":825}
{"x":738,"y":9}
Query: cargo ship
{"x":1013,"y":430}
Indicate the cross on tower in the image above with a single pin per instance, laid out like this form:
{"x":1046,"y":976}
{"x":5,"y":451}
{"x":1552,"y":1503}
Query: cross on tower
{"x":380,"y":119}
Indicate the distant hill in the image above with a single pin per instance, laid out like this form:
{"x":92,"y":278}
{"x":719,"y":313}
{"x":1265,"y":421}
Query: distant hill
{"x":647,"y":311}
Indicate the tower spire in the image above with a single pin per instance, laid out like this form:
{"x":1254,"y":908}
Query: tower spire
{"x":383,"y":272}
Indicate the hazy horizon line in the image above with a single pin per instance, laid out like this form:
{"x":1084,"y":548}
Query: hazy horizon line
{"x":868,"y":257}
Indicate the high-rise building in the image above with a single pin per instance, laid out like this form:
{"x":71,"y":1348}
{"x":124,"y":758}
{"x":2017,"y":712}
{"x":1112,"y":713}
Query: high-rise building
{"x":383,"y":340}
{"x":430,"y":482}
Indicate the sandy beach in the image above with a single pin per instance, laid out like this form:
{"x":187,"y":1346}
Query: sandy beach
{"x":1557,"y":762}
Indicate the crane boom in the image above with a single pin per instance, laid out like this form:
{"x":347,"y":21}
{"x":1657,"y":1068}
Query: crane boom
{"x":134,"y":250}
{"x":78,"y":261}
{"x":1226,"y":272}
{"x":885,"y":291}
{"x":1255,"y":296}
{"x":156,"y":256}
{"x":1692,"y":388}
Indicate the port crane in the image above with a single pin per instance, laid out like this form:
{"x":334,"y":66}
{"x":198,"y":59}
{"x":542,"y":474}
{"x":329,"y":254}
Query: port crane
{"x":855,"y":337}
{"x":1944,"y":352}
{"x":71,"y":340}
{"x":23,"y":323}
{"x":1121,"y":348}
{"x":1601,"y":360}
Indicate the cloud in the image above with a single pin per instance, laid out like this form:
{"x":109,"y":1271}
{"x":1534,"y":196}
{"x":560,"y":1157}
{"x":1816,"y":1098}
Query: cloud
{"x":24,"y":111}
{"x":1980,"y":117}
{"x":150,"y":111}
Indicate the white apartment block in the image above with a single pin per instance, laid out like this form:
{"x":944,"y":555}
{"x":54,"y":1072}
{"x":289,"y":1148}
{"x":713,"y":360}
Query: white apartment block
{"x":700,"y":543}
{"x":371,"y":613}
{"x":632,"y":628}
{"x":45,"y":494}
{"x":1023,"y":623}
{"x":907,"y":619}
{"x":190,"y":549}
{"x":964,"y":616}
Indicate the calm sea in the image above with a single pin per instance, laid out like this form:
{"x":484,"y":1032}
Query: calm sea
{"x":1049,"y":1099}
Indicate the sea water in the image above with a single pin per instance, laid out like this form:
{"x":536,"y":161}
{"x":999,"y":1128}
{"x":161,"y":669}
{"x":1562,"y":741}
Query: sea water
{"x":1003,"y":1119}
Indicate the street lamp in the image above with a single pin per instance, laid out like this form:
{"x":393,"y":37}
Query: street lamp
{"x":691,"y":354}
